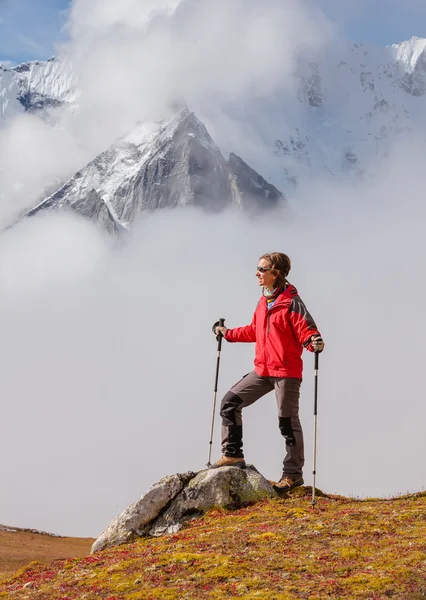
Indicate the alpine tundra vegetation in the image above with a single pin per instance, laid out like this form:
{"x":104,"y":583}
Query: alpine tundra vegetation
{"x":276,"y":549}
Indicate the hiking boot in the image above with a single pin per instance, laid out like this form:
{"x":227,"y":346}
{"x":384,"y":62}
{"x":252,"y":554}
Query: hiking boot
{"x":287,"y":483}
{"x":229,"y":461}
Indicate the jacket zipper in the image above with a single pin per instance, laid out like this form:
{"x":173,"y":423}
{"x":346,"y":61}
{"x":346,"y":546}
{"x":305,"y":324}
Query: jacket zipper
{"x":268,"y":329}
{"x":266,"y":340}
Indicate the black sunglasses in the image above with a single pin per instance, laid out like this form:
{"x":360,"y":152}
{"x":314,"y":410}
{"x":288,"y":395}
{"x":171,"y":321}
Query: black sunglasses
{"x":264,"y":269}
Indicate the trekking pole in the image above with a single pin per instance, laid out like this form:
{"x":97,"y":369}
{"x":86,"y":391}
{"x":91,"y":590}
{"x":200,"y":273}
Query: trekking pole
{"x":219,"y":348}
{"x":314,"y":471}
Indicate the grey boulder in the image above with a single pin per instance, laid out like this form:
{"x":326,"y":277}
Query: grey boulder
{"x":176,"y":499}
{"x":227,"y":487}
{"x":133,"y":520}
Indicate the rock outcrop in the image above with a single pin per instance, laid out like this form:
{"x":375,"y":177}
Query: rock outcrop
{"x":174,"y":500}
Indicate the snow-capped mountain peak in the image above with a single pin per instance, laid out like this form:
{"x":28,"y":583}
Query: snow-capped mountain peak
{"x":166,"y":164}
{"x":409,"y":53}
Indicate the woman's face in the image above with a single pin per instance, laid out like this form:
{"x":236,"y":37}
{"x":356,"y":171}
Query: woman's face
{"x":265,"y":279}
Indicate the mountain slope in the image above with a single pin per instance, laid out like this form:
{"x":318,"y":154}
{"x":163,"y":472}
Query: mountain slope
{"x":19,"y":547}
{"x":170,"y":164}
{"x":338,"y":118}
{"x":277,"y":549}
{"x":36,"y":86}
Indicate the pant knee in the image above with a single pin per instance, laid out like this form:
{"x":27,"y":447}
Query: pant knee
{"x":287,"y":431}
{"x":230,"y":410}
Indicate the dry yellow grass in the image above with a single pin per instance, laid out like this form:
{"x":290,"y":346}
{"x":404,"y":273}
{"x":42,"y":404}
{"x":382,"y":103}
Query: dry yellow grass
{"x":20,"y":548}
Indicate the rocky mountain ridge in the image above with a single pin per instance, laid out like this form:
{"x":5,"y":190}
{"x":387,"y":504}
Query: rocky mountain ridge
{"x":169,"y":164}
{"x":339,"y":120}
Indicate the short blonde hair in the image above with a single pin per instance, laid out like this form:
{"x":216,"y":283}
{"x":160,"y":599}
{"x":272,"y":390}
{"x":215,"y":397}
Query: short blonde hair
{"x":279,"y":262}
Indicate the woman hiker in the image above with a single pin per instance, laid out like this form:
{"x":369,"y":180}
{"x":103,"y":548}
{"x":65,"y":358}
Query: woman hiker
{"x":281,"y":328}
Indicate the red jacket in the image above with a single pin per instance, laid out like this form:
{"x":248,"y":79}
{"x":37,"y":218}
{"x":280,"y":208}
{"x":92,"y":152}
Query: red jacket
{"x":280,"y":334}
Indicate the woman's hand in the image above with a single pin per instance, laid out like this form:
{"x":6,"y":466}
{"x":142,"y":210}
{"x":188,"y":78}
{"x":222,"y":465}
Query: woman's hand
{"x":221,"y":330}
{"x":317,"y":343}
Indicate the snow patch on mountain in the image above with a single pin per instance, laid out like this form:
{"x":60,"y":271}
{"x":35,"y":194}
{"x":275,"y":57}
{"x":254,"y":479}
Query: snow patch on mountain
{"x":36,"y":85}
{"x":349,"y":111}
{"x":408,"y":54}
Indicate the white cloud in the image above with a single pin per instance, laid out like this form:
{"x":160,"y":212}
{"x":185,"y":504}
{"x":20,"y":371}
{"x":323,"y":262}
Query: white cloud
{"x":204,"y":51}
{"x":34,"y":158}
{"x":108,"y":357}
{"x":100,"y":18}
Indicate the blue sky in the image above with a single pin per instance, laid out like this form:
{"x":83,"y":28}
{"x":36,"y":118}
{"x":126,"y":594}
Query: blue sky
{"x":29,"y":28}
{"x":381,"y":22}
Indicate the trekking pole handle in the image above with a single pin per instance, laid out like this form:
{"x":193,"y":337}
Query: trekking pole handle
{"x":220,"y":336}
{"x":316,"y":361}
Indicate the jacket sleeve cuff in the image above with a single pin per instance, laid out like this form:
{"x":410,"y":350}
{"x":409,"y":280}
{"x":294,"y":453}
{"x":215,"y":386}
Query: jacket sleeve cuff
{"x":228,"y":336}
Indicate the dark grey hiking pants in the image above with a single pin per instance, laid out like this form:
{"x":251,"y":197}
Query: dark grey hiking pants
{"x":249,"y":389}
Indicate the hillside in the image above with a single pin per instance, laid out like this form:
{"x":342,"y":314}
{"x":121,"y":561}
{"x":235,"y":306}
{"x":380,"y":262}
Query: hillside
{"x":277,"y":549}
{"x":18,"y":547}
